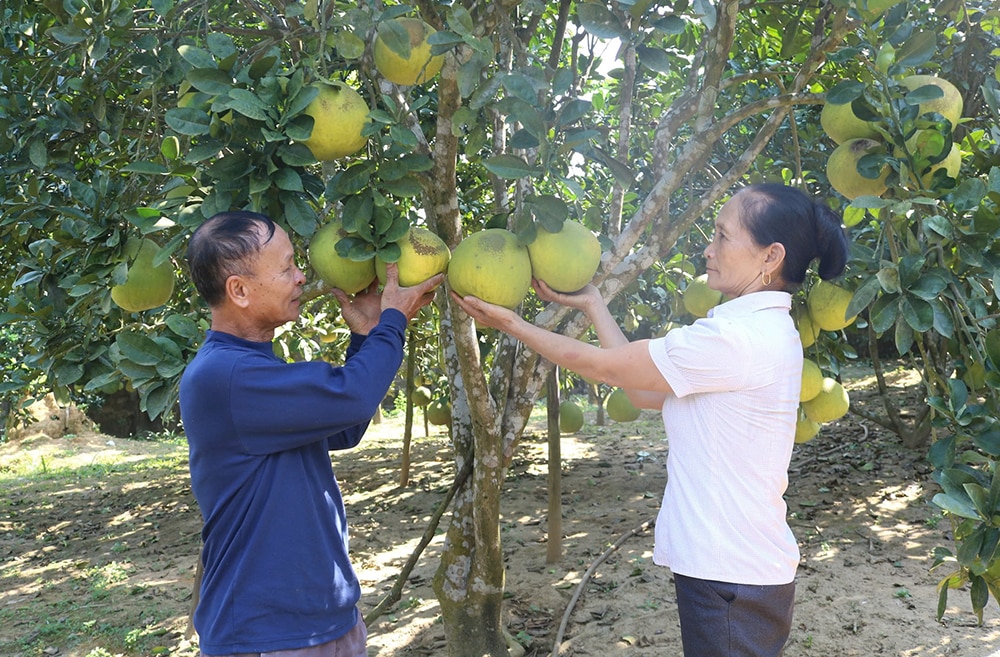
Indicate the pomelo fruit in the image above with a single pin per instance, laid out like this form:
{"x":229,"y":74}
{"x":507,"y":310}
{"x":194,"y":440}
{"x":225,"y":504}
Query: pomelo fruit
{"x":146,"y":286}
{"x":808,"y":331}
{"x":348,"y":275}
{"x":950,"y":105}
{"x":570,"y":417}
{"x":699,"y":298}
{"x":491,"y":265}
{"x":414,"y":64}
{"x":421,"y":396}
{"x":832,"y":402}
{"x":340,"y":115}
{"x":567,"y":260}
{"x":439,"y":411}
{"x":805,"y":429}
{"x":827,"y":304}
{"x":620,"y":408}
{"x":812,"y":380}
{"x":840,"y":123}
{"x":842,"y":169}
{"x":422,"y":255}
{"x":925,"y":145}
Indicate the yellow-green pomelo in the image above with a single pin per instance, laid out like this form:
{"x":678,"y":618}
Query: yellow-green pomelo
{"x":348,"y":275}
{"x":421,"y":396}
{"x":808,"y":331}
{"x":491,"y":265}
{"x":805,"y":429}
{"x":827,"y":304}
{"x":570,"y":417}
{"x":439,"y":411}
{"x":699,"y":298}
{"x":567,"y":260}
{"x":927,"y":144}
{"x":620,"y":408}
{"x":832,"y":402}
{"x":812,"y":380}
{"x":417,"y":66}
{"x":146,"y":286}
{"x":949,"y":105}
{"x":840,"y":123}
{"x":842,"y":169}
{"x":422,"y":254}
{"x":340,"y":115}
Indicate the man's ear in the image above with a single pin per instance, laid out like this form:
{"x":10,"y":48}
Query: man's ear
{"x":237,"y":291}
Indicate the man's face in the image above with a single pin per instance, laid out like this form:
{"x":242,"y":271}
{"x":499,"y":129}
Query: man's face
{"x":275,"y":282}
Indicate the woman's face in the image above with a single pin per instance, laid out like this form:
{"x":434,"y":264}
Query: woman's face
{"x":734,"y":262}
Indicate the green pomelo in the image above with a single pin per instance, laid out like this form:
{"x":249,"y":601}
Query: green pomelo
{"x":620,"y":408}
{"x":491,"y":265}
{"x":439,"y":412}
{"x":827,"y":304}
{"x":699,"y":298}
{"x":146,"y":286}
{"x":421,"y":396}
{"x":348,"y":275}
{"x":808,"y":331}
{"x":926,"y":145}
{"x":567,"y":260}
{"x":422,"y":254}
{"x":832,"y":402}
{"x":840,"y":123}
{"x":812,"y":380}
{"x":842,"y":169}
{"x":340,"y":115}
{"x":414,"y":67}
{"x":570,"y":417}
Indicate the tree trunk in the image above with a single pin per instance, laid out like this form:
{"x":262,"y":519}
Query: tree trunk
{"x":553,"y":546}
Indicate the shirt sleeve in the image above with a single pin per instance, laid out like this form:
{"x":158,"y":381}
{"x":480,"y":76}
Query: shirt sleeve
{"x":710,"y":355}
{"x":281,"y":406}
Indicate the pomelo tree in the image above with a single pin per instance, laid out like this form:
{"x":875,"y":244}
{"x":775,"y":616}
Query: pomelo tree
{"x":633,"y":118}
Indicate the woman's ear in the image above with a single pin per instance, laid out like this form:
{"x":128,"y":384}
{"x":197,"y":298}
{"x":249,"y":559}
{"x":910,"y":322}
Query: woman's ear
{"x":775,"y":254}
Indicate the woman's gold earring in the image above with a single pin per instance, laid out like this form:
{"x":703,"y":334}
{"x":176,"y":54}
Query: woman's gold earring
{"x":765,"y":278}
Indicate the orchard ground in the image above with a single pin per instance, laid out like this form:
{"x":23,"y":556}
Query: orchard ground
{"x":99,"y":537}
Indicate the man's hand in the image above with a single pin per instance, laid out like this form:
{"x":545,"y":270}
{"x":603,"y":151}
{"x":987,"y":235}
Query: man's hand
{"x":361,"y":312}
{"x":407,"y":300}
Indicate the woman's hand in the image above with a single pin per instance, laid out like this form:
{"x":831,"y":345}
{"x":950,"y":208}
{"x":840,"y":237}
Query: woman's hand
{"x":485,"y":313}
{"x":583,"y":299}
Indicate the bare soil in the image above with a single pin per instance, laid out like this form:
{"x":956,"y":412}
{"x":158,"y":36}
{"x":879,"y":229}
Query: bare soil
{"x":98,"y":544}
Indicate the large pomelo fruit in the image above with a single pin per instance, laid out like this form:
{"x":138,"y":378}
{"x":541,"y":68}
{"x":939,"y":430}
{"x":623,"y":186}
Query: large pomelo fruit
{"x":491,"y":265}
{"x":438,"y":412}
{"x":146,"y":286}
{"x":422,"y":254}
{"x":402,"y":53}
{"x":812,"y":380}
{"x":926,"y":145}
{"x":567,"y":260}
{"x":570,"y":417}
{"x":699,"y":298}
{"x":832,"y":402}
{"x":827,"y":304}
{"x":842,"y":169}
{"x":805,"y":429}
{"x":950,"y":105}
{"x":840,"y":123}
{"x":348,"y":275}
{"x":620,"y":408}
{"x":340,"y":115}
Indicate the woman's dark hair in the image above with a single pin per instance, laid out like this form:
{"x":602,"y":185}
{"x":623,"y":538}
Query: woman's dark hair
{"x":808,"y":229}
{"x":222,"y":247}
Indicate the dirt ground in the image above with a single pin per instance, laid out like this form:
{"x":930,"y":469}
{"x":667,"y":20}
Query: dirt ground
{"x":97,"y":548}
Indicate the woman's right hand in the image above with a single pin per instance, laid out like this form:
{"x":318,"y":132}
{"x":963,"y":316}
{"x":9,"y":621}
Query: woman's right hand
{"x":584,"y":299}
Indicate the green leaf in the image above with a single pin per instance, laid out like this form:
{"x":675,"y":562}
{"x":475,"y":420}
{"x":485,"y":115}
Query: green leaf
{"x":188,"y":121}
{"x":509,"y":166}
{"x":550,"y":211}
{"x":405,"y":187}
{"x":150,"y":168}
{"x":210,"y":80}
{"x":348,"y":44}
{"x":883,"y":313}
{"x":991,"y":343}
{"x":599,"y":21}
{"x":301,"y":216}
{"x":903,"y":338}
{"x":248,"y":104}
{"x":918,"y":313}
{"x":844,"y":92}
{"x":138,"y":348}
{"x":573,"y":111}
{"x":287,"y":179}
{"x":917,"y":50}
{"x":959,"y":507}
{"x":654,"y":59}
{"x":395,"y":36}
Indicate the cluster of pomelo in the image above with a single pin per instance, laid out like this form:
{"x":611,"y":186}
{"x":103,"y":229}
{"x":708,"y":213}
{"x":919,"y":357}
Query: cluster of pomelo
{"x":822,"y":398}
{"x":857,"y":138}
{"x":490,"y":264}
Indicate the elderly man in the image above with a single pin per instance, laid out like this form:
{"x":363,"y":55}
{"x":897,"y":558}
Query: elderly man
{"x":277,"y":578}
